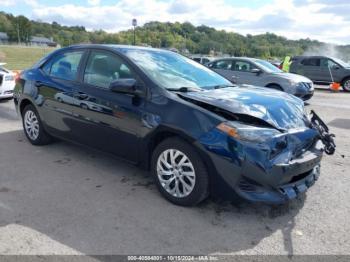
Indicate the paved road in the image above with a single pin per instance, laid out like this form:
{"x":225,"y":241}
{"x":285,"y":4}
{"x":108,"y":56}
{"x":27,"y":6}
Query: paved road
{"x":66,"y":199}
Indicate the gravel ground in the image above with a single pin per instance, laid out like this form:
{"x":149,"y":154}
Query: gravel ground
{"x":67,"y":199}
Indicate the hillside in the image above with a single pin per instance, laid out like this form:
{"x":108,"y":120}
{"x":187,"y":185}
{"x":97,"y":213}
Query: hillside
{"x":183,"y":36}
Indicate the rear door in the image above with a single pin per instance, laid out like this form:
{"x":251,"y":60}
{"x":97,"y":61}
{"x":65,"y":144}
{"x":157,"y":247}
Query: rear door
{"x":311,"y":68}
{"x":56,"y":87}
{"x":105,"y":120}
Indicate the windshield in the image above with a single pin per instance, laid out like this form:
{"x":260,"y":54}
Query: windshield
{"x":341,"y":62}
{"x":173,"y":71}
{"x":267,"y":66}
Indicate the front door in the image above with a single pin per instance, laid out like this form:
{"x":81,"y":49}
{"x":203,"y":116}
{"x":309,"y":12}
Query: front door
{"x":106,"y":120}
{"x":223,"y":67}
{"x":244,"y":75}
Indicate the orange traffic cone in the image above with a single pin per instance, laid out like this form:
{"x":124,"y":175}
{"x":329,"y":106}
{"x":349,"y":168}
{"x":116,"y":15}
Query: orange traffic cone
{"x":335,"y":87}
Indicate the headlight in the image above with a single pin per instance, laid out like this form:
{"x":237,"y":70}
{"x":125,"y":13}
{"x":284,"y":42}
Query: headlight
{"x":292,"y":82}
{"x":245,"y":132}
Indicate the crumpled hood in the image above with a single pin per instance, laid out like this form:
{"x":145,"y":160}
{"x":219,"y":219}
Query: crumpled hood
{"x":293,"y":77}
{"x":279,"y":109}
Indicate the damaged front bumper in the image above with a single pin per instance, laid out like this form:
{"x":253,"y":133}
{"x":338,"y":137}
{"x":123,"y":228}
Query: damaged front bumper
{"x":252,"y":191}
{"x":255,"y":175}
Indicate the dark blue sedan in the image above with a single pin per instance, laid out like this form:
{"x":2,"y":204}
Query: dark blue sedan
{"x":196,"y":132}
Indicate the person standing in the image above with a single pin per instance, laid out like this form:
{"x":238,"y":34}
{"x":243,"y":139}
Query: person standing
{"x":286,"y":64}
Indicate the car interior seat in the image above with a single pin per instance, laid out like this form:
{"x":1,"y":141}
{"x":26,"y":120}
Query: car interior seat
{"x":99,"y":74}
{"x":64,"y":70}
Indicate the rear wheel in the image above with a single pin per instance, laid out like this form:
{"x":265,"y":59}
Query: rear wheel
{"x":180,"y":173}
{"x":346,"y":85}
{"x":33,"y":127}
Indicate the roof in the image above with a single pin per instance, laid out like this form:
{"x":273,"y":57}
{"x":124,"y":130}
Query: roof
{"x":118,"y":47}
{"x":3,"y":35}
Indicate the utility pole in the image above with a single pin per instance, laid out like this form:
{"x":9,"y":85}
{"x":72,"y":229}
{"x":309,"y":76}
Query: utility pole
{"x":134,"y":24}
{"x":18,"y":38}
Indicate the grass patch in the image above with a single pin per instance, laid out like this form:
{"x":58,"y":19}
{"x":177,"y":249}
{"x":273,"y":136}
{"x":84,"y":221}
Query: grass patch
{"x":22,"y":57}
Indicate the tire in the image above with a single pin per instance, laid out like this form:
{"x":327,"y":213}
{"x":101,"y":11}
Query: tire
{"x":276,"y":87}
{"x":180,"y":174}
{"x":33,"y":127}
{"x":346,"y":84}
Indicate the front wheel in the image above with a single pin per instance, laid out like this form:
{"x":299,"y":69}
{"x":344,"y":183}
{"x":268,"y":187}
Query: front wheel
{"x":33,"y":127}
{"x":180,"y":173}
{"x":346,"y":84}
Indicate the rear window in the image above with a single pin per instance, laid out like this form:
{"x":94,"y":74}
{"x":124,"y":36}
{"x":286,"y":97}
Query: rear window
{"x":311,"y":62}
{"x":64,"y":66}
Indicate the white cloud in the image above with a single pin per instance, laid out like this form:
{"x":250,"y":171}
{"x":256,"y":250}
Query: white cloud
{"x":94,"y":2}
{"x":316,"y":19}
{"x":7,"y":3}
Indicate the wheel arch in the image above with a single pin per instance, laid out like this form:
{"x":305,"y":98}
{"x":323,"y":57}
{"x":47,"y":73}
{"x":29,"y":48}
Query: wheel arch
{"x":345,"y":78}
{"x":24,"y":102}
{"x":165,"y":133}
{"x":269,"y":85}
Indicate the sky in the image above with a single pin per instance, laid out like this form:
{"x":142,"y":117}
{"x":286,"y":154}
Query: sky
{"x":324,"y":20}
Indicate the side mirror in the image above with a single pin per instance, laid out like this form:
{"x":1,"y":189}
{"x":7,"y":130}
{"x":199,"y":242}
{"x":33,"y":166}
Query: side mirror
{"x":256,"y":71}
{"x":126,"y":86}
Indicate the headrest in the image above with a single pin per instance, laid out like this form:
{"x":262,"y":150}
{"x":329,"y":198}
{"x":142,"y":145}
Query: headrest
{"x":65,"y":64}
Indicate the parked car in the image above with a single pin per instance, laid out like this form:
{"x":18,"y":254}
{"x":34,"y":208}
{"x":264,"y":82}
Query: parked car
{"x":257,"y":72}
{"x":196,"y":132}
{"x":7,"y":82}
{"x":322,"y":69}
{"x":202,"y":59}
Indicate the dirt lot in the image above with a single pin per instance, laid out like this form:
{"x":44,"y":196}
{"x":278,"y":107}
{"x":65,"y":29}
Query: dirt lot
{"x":66,"y":199}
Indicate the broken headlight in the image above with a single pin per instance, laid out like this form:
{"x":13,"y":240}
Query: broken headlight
{"x":245,"y":132}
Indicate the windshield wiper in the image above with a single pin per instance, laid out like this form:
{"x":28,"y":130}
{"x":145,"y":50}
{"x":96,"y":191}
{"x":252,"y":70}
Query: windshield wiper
{"x":184,"y":89}
{"x":218,"y":86}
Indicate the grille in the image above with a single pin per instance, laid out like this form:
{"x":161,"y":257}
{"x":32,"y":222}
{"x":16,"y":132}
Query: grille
{"x":300,"y":176}
{"x":248,"y":185}
{"x":308,"y":85}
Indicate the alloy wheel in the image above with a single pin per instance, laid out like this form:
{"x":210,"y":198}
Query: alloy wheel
{"x":347,"y":85}
{"x":31,"y":124}
{"x":176,"y":173}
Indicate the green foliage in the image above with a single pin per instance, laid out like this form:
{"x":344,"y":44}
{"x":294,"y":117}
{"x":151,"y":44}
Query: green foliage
{"x":201,"y":39}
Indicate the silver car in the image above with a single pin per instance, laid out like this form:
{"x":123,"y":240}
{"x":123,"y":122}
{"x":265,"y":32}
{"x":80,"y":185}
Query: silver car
{"x":257,"y":72}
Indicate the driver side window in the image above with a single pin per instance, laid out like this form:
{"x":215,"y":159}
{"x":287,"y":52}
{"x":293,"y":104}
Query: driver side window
{"x":243,"y":66}
{"x":327,"y":63}
{"x":103,"y":68}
